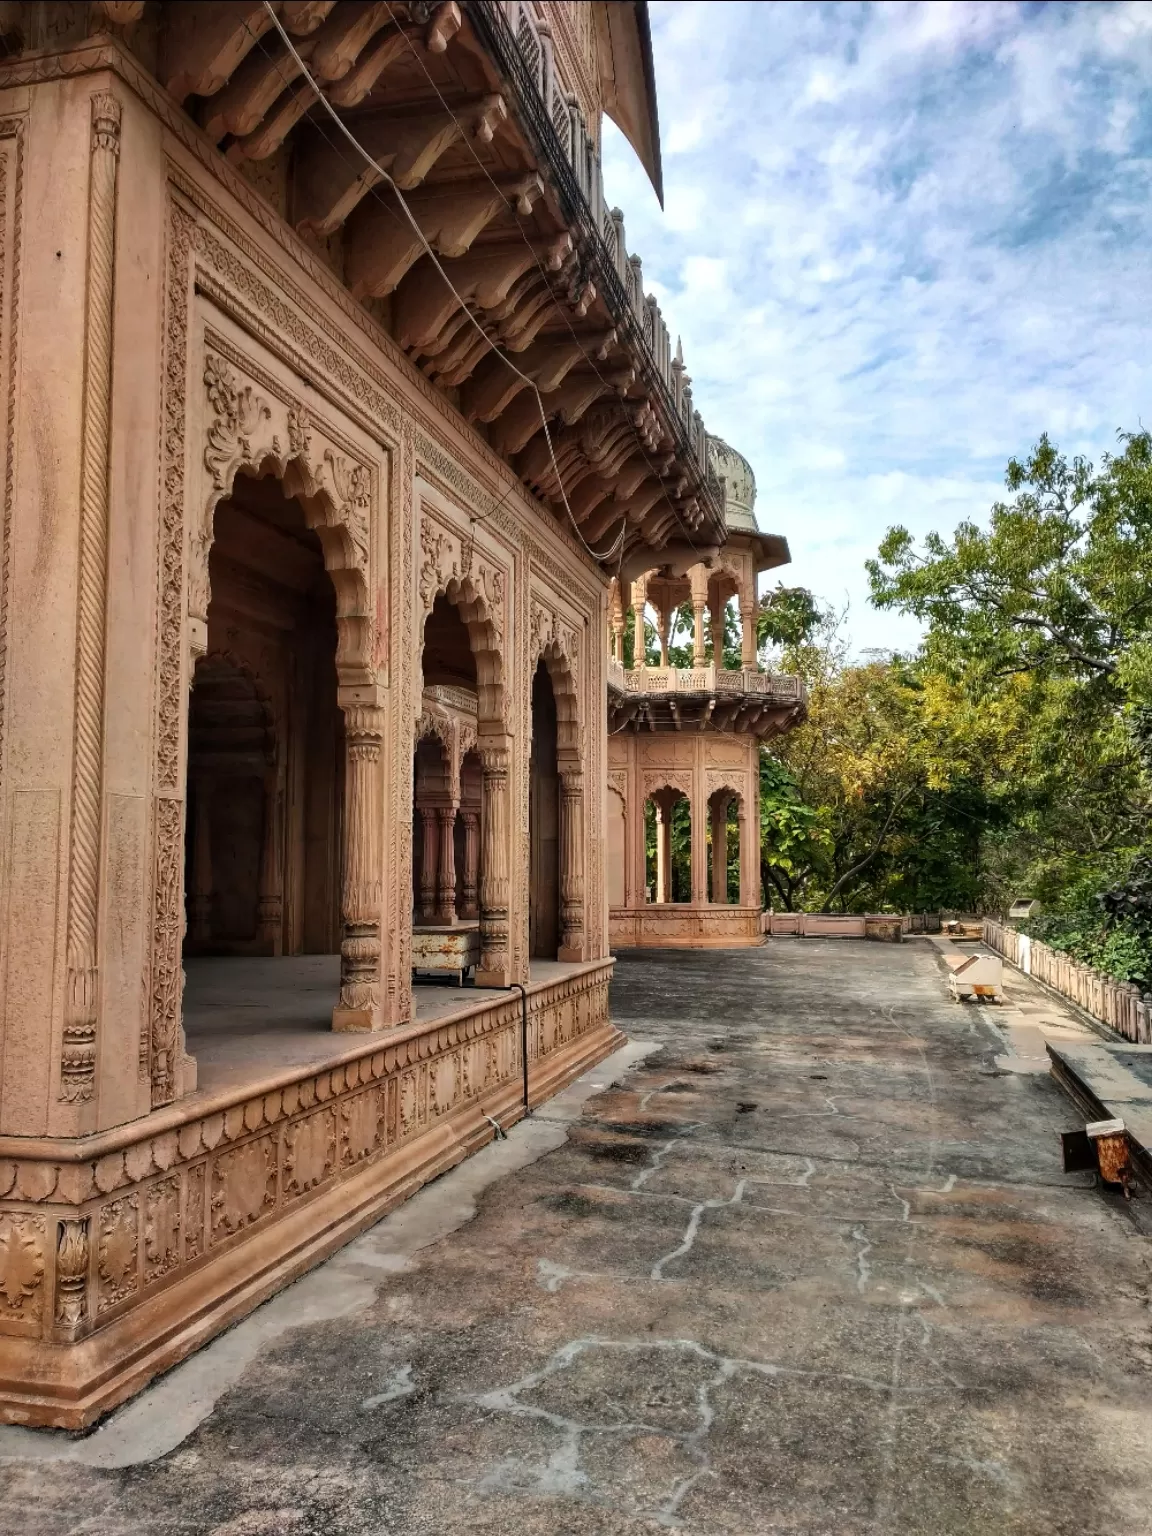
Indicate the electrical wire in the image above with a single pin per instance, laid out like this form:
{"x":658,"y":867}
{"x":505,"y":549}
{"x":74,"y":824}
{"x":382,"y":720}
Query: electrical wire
{"x":539,"y":267}
{"x":598,"y":555}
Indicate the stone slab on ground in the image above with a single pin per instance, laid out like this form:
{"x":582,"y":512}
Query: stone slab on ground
{"x":812,"y":1268}
{"x":1111,"y":1082}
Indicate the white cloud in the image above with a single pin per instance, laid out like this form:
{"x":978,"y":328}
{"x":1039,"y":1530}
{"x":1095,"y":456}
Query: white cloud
{"x":902,"y":240}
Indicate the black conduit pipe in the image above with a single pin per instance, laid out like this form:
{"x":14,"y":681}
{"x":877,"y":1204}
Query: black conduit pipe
{"x":517,"y":986}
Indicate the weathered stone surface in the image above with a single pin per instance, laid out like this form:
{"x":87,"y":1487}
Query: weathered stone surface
{"x":813,"y":1268}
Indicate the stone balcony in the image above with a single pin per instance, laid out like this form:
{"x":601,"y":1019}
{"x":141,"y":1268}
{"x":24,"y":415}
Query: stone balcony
{"x":762,"y":704}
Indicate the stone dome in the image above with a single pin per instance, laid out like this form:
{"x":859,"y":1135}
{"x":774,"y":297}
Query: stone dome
{"x":734,"y":472}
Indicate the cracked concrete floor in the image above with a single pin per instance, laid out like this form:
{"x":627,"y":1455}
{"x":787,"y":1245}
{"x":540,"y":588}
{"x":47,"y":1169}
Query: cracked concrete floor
{"x":811,"y":1267}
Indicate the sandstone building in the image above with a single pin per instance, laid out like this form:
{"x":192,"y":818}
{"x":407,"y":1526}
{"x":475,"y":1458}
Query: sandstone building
{"x":325,"y":479}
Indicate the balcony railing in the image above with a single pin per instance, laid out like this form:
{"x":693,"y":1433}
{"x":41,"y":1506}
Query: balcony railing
{"x":711,"y":679}
{"x":570,"y":155}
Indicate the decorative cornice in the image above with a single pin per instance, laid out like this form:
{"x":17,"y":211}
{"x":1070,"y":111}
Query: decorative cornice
{"x":106,"y":54}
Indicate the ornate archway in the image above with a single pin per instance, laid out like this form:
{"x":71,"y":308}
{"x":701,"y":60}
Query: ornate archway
{"x":453,"y":573}
{"x":555,"y":644}
{"x":257,"y":431}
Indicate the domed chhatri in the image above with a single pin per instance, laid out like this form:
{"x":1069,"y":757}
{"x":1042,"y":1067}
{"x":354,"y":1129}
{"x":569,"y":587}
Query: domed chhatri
{"x":684,"y":741}
{"x":737,"y":482}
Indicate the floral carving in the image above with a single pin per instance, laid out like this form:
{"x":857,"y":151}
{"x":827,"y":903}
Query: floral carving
{"x":72,"y":1272}
{"x":299,"y":431}
{"x":237,"y":412}
{"x":161,"y":1228}
{"x":309,"y":1151}
{"x":435,"y":569}
{"x":21,"y":1264}
{"x":353,"y":487}
{"x":243,"y":1186}
{"x":194,"y":1212}
{"x":118,"y":1250}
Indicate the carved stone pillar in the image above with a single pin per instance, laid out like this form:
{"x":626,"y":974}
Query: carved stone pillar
{"x":617,"y":622}
{"x":663,"y":853}
{"x":469,"y":885}
{"x":200,"y":892}
{"x":639,"y":598}
{"x":748,"y":624}
{"x":749,"y":858}
{"x":428,"y":864}
{"x":666,"y":614}
{"x":78,"y":1047}
{"x":495,"y":954}
{"x":446,"y":867}
{"x":270,"y":911}
{"x":571,"y":865}
{"x":698,"y":581}
{"x":720,"y":851}
{"x":359,"y":1006}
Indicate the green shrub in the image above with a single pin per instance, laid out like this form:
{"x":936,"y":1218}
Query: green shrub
{"x":1118,"y":949}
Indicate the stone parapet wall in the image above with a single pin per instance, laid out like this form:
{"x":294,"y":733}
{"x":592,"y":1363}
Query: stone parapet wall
{"x":672,"y":925}
{"x":1116,"y":1004}
{"x":120,"y":1252}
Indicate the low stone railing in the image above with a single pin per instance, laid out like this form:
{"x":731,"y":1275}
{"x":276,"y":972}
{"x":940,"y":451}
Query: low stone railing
{"x":1118,"y":1004}
{"x":843,"y":925}
{"x":707,"y":679}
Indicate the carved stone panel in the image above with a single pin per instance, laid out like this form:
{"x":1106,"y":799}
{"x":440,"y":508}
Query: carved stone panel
{"x":443,"y":1085}
{"x":194,"y":1212}
{"x":23,"y":1258}
{"x":161,"y":1229}
{"x":359,"y":1127}
{"x":118,"y":1252}
{"x":309,"y":1152}
{"x":243,"y":1186}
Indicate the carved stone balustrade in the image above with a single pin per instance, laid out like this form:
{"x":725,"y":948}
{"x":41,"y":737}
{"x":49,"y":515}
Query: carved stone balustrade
{"x":761,"y":704}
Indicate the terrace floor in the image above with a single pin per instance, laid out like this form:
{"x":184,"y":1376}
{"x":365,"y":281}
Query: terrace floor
{"x":801,"y":1260}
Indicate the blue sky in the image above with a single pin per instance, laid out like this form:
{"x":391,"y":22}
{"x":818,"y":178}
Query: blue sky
{"x":899,"y":241}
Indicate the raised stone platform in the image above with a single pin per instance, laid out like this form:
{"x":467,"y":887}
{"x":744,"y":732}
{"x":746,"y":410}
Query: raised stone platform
{"x":680,"y":924}
{"x":125,"y":1251}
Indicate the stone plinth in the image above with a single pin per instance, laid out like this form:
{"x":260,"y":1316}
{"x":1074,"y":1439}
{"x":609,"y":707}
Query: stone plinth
{"x":123,"y":1251}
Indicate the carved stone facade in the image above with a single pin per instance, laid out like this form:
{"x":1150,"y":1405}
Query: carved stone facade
{"x":232,"y":510}
{"x":302,"y":595}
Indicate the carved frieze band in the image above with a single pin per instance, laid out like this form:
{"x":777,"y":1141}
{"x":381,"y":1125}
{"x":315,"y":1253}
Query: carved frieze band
{"x":78,"y":1050}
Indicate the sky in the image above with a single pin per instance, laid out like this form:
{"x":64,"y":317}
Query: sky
{"x":899,"y":241}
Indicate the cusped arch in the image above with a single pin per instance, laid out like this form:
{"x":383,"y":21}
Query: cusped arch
{"x":561,"y":674}
{"x":656,"y":783}
{"x":723,"y":786}
{"x":334,"y":491}
{"x":479,"y":619}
